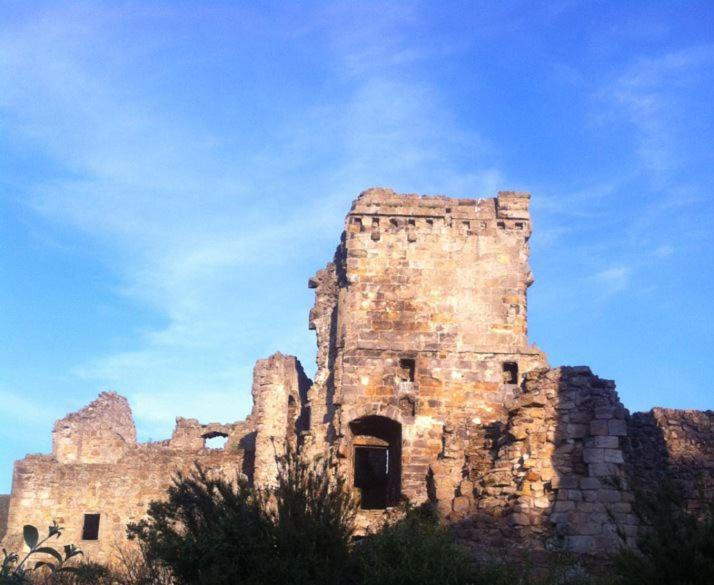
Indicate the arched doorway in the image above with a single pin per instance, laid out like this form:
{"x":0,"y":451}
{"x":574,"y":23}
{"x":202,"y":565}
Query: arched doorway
{"x":377,"y":461}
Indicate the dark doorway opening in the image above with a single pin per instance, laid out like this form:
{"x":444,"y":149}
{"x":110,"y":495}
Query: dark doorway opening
{"x":371,"y":473}
{"x":377,"y":442}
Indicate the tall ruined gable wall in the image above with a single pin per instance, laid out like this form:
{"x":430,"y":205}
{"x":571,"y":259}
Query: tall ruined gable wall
{"x":99,"y":433}
{"x":279,"y":394}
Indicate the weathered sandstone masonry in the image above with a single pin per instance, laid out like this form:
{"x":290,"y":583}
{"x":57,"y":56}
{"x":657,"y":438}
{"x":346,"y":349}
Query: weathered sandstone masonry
{"x":426,"y":389}
{"x":4,"y":507}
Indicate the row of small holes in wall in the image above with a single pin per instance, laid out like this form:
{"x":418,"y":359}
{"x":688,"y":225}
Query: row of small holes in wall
{"x":395,"y":224}
{"x":407,"y":369}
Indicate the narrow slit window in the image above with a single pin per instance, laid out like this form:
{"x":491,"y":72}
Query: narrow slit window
{"x":90,"y":531}
{"x":510,"y":372}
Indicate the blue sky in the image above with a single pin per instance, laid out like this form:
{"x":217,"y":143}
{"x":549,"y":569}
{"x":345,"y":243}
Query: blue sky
{"x":172,"y":173}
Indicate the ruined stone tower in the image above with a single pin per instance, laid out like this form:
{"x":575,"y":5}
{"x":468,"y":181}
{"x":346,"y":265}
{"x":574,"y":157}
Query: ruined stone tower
{"x":421,"y":326}
{"x":427,"y":390}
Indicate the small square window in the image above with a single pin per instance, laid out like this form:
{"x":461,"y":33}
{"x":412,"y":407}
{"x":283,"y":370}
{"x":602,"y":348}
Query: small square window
{"x":91,"y":527}
{"x":407,"y":366}
{"x":510,"y":373}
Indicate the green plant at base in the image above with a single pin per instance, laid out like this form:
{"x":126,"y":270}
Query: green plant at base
{"x":211,"y":531}
{"x":674,"y":548}
{"x":15,"y":571}
{"x":416,"y":550}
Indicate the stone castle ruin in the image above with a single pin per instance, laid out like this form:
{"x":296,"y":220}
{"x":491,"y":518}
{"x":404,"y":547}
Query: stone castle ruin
{"x":427,"y":390}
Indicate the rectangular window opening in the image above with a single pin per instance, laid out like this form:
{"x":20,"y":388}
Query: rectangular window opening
{"x":510,"y":373}
{"x":90,"y":531}
{"x":407,"y":366}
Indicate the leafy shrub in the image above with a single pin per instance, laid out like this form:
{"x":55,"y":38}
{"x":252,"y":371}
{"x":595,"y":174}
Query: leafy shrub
{"x":416,"y":550}
{"x":675,"y":547}
{"x":16,"y":570}
{"x":218,"y":532}
{"x":132,"y":566}
{"x":209,"y":530}
{"x":311,"y":513}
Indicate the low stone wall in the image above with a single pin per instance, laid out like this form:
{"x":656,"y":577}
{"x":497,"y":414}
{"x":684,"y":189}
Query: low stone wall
{"x":97,"y":466}
{"x":45,"y":490}
{"x":4,"y":507}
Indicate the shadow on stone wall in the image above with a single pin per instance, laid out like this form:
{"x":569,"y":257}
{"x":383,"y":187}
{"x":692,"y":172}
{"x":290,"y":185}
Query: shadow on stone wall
{"x":672,"y":448}
{"x":557,"y":481}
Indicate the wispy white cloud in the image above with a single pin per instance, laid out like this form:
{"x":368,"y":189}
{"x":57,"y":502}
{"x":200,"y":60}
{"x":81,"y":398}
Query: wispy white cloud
{"x":180,"y":211}
{"x":614,"y":279}
{"x":650,"y":93}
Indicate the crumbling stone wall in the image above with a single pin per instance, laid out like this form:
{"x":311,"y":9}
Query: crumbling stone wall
{"x":97,"y":467}
{"x":672,"y":447}
{"x":99,"y":433}
{"x":279,"y":393}
{"x":4,"y":507}
{"x":558,"y":479}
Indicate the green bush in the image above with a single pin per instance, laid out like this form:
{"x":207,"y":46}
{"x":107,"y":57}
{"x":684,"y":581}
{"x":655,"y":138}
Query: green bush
{"x":416,"y":551}
{"x":674,"y":548}
{"x":212,"y":531}
{"x":208,"y":531}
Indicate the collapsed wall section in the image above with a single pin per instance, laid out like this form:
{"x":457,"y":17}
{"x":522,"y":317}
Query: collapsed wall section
{"x":674,"y":449}
{"x":99,"y":433}
{"x":558,"y":478}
